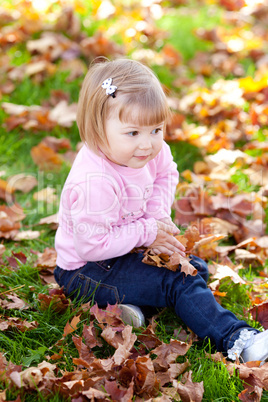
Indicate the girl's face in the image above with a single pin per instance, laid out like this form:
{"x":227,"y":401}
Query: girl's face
{"x":130,"y":144}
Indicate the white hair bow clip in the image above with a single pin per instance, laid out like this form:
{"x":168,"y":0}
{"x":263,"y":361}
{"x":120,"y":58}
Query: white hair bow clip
{"x":110,"y":89}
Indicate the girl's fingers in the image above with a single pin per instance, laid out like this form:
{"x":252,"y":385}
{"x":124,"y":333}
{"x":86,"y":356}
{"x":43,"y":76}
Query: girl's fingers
{"x":165,"y":250}
{"x":162,"y":250}
{"x":177,"y":244}
{"x":168,"y":227}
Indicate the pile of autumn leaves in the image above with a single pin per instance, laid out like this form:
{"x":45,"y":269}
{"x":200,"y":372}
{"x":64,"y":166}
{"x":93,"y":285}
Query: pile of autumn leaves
{"x":129,"y":371}
{"x":140,"y":365}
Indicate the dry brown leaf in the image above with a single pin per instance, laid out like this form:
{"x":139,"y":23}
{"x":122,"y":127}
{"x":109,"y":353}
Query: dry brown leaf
{"x":188,"y":390}
{"x":47,"y":194}
{"x":148,"y":338}
{"x":146,"y":381}
{"x":47,"y":259}
{"x":26,"y":235}
{"x":174,"y":370}
{"x":260,"y":314}
{"x":63,"y":114}
{"x":52,"y":221}
{"x":86,"y":357}
{"x":57,"y":144}
{"x":91,"y":337}
{"x":168,"y":353}
{"x":206,"y":248}
{"x":173,"y":262}
{"x":107,"y":317}
{"x":56,"y":300}
{"x":45,"y":158}
{"x":114,"y":338}
{"x":72,"y":326}
{"x":16,"y":259}
{"x":118,"y":393}
{"x":6,"y":191}
{"x":15,"y":303}
{"x":17,"y":324}
{"x":34,"y":376}
{"x":23,"y":182}
{"x":223,"y":271}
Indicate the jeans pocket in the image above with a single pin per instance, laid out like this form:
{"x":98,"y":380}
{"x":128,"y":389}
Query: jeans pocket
{"x":107,"y":265}
{"x":86,"y":288}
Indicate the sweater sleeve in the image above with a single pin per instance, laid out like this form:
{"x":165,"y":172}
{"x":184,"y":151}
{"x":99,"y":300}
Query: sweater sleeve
{"x":94,"y":216}
{"x":167,"y":176}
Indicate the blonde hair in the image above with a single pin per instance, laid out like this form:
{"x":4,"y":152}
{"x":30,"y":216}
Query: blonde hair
{"x":136,"y":85}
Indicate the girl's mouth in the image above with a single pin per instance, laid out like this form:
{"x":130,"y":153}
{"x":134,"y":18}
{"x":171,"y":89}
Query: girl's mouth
{"x":142,"y":157}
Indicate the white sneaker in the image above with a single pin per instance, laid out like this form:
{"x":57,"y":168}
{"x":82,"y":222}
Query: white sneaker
{"x":257,"y":349}
{"x":132,"y":315}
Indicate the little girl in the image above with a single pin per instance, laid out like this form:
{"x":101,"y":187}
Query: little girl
{"x":118,"y":196}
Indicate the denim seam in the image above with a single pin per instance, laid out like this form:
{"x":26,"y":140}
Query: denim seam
{"x":83,"y":277}
{"x":61,"y":273}
{"x":104,"y":285}
{"x":72,"y":279}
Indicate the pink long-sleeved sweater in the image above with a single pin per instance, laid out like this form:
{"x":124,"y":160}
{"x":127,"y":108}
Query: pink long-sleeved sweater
{"x":106,"y":209}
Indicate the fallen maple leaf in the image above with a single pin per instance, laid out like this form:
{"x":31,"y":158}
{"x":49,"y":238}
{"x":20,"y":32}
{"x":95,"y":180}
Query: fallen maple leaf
{"x":146,"y":382}
{"x":91,"y":337}
{"x":26,"y":235}
{"x":47,"y":259}
{"x":260,"y":314}
{"x":52,"y":221}
{"x":6,"y":191}
{"x":34,"y":376}
{"x":45,"y":158}
{"x":107,"y":317}
{"x":15,"y":303}
{"x":167,"y":353}
{"x":223,"y":271}
{"x":23,"y":182}
{"x":117,"y":392}
{"x":148,"y":338}
{"x":16,"y":259}
{"x":86,"y":357}
{"x":71,"y":327}
{"x":56,"y":300}
{"x":188,"y":390}
{"x":173,"y":263}
{"x":46,"y":194}
{"x":9,"y":323}
{"x":174,"y":370}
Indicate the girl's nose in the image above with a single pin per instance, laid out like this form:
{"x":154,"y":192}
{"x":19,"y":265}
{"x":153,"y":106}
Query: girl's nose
{"x":145,"y":143}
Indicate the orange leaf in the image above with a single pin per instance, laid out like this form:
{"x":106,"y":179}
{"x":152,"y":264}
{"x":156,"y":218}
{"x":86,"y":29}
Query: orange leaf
{"x":71,"y":327}
{"x":45,"y":158}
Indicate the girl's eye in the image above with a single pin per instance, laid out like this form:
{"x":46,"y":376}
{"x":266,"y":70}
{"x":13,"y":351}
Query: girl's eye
{"x":156,"y":130}
{"x":132,"y":133}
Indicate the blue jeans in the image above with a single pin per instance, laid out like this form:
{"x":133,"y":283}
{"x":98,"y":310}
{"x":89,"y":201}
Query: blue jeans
{"x":127,"y":279}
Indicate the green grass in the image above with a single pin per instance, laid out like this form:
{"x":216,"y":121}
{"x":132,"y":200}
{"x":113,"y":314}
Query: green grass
{"x":181,"y":24}
{"x":219,"y":385}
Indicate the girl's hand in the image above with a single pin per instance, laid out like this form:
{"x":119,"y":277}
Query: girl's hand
{"x":169,"y":221}
{"x":165,"y":242}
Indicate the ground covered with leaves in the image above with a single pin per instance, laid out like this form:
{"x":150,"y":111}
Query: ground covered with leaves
{"x":211,"y":57}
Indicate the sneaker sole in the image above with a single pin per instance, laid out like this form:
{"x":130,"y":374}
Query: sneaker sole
{"x":131,"y":317}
